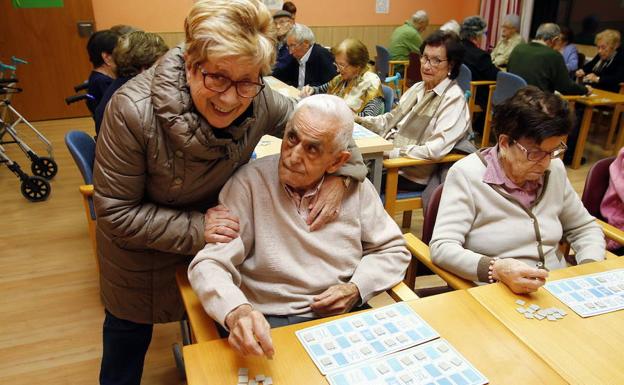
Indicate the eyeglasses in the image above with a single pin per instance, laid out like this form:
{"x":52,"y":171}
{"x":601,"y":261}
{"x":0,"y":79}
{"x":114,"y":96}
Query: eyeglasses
{"x":537,"y":155}
{"x":219,"y":83}
{"x":433,"y":61}
{"x":293,"y":46}
{"x":282,"y":22}
{"x":341,"y":66}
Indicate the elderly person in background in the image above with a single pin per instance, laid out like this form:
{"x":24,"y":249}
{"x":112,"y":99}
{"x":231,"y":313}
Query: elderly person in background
{"x":309,"y":63}
{"x":278,"y":273}
{"x":606,"y":70}
{"x":510,"y":38}
{"x":170,"y":139}
{"x":541,"y":65}
{"x":134,"y":53}
{"x":100,"y":48}
{"x":408,"y":37}
{"x":451,"y":26}
{"x":355,"y":83}
{"x":504,"y":209}
{"x":289,"y":6}
{"x":473,"y":30}
{"x":283,"y":24}
{"x":568,"y":49}
{"x":432,"y":117}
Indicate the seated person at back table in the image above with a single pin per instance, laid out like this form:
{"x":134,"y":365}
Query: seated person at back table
{"x":355,"y":82}
{"x":308,"y":62}
{"x":432,"y":117}
{"x":606,"y":70}
{"x":505,"y":208}
{"x":277,"y":272}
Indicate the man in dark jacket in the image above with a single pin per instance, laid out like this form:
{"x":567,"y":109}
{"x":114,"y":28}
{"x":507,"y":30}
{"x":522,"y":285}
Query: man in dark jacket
{"x":479,"y":62}
{"x":309,"y":63}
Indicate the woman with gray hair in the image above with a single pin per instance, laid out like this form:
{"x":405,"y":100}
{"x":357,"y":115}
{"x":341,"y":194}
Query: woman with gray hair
{"x":510,"y":38}
{"x":170,"y":139}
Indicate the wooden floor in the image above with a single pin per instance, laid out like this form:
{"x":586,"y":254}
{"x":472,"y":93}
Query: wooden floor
{"x":50,"y":314}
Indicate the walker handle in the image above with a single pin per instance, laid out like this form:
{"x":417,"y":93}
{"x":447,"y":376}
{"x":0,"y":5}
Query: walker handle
{"x":17,"y":60}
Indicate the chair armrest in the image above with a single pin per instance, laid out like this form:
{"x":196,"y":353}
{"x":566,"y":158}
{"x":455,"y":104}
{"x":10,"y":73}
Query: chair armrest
{"x":404,"y":62}
{"x":406,"y":162}
{"x":611,"y":232}
{"x":421,"y":251}
{"x":401,"y":292}
{"x":86,"y":190}
{"x":202,"y":326}
{"x":478,"y":83}
{"x":622,"y":88}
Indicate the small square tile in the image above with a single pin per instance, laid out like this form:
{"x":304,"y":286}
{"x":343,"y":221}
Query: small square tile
{"x":456,"y":361}
{"x":444,"y":365}
{"x":520,"y":302}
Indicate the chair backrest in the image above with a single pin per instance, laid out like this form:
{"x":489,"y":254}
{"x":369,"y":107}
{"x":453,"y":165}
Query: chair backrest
{"x":381,"y":62}
{"x":431,"y":213}
{"x":388,"y":94}
{"x":506,"y":86}
{"x":413,"y":75}
{"x":82,"y":148}
{"x":596,"y":186}
{"x":581,"y":59}
{"x":464,"y":78}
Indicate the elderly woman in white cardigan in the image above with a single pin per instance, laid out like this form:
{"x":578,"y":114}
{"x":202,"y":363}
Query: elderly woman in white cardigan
{"x":505,"y":208}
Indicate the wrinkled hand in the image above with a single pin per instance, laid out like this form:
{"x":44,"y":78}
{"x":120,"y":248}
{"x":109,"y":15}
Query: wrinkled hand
{"x":220,"y":225}
{"x":338,"y":299}
{"x":579,"y":73}
{"x":591,"y":78}
{"x":326,"y":207}
{"x":306,"y":91}
{"x":518,"y":276}
{"x":589,"y":90}
{"x":250,"y":333}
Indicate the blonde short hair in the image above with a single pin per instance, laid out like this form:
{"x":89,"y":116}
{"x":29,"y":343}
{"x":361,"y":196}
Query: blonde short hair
{"x":217,"y":29}
{"x":137,"y":51}
{"x":355,"y":51}
{"x":609,"y":36}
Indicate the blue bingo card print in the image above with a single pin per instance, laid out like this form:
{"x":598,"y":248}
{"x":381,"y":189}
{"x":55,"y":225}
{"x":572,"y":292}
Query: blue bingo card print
{"x":337,"y":344}
{"x":592,"y":294}
{"x":435,"y":362}
{"x":361,"y":132}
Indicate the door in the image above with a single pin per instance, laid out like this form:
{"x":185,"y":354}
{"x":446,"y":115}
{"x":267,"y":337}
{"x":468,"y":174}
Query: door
{"x":57,"y":57}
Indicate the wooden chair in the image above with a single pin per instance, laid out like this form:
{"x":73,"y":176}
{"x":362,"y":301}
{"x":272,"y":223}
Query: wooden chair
{"x":406,"y":202}
{"x":596,"y":185}
{"x":474,"y":87}
{"x":420,"y":249}
{"x":203,"y":327}
{"x":385,"y":67}
{"x":412,"y":71}
{"x":506,"y":86}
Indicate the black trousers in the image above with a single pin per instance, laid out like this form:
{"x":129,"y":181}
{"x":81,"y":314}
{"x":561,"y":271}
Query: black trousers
{"x":125,"y":344}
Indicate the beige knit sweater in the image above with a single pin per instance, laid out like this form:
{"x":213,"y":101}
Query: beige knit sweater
{"x":277,"y":265}
{"x":477,"y":221}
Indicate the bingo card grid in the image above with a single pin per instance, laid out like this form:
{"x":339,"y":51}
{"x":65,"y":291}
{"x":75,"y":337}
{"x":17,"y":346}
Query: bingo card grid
{"x":435,"y":362}
{"x":340,"y":343}
{"x":591,"y":294}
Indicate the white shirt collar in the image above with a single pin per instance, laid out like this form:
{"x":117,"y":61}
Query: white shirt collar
{"x":305,"y":57}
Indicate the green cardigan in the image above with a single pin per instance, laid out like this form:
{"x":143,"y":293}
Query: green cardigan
{"x":404,"y":39}
{"x":544,"y":68}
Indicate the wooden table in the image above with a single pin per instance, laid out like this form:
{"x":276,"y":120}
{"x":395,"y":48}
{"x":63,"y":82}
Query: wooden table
{"x":371,"y":147}
{"x":596,"y":99}
{"x":582,"y":350}
{"x":475,"y":333}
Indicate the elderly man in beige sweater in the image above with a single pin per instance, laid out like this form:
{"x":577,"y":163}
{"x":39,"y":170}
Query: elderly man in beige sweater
{"x":277,"y":272}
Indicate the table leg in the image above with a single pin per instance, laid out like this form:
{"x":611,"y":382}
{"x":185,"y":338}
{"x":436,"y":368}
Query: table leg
{"x":377,"y":160}
{"x":582,"y":137}
{"x":619,"y":141}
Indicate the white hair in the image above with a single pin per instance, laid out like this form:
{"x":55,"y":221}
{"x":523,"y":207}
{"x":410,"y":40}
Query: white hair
{"x":420,"y":17}
{"x":302,"y":33}
{"x":333,"y":111}
{"x":451,"y":26}
{"x":547,"y":31}
{"x":512,"y":21}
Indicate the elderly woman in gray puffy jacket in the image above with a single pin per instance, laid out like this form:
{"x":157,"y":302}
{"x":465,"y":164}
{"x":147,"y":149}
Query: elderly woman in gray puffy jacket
{"x":170,"y":139}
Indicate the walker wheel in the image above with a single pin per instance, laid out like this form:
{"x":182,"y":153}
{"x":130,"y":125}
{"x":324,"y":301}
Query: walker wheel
{"x":44,"y":167}
{"x":36,"y":189}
